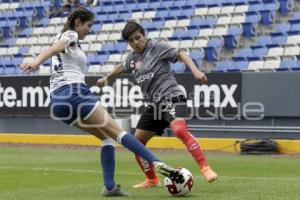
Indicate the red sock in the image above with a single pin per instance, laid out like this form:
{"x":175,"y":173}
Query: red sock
{"x":179,"y":127}
{"x":146,"y":167}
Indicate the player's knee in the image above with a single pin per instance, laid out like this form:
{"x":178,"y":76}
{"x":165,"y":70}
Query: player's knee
{"x":179,"y":127}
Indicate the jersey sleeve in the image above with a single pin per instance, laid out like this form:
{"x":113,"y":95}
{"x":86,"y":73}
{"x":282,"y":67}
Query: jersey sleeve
{"x":127,"y":65}
{"x":167,"y":52}
{"x":70,"y":37}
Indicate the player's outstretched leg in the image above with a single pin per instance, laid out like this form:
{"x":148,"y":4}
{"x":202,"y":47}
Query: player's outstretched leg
{"x":179,"y":127}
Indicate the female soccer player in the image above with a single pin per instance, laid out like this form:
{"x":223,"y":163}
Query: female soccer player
{"x":150,"y":63}
{"x":73,"y":103}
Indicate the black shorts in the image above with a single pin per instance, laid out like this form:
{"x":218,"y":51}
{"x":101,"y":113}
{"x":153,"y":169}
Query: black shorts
{"x":157,"y":117}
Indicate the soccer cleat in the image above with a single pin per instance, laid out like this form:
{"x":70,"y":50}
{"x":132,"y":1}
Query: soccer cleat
{"x":168,"y":171}
{"x":148,"y":183}
{"x":209,"y":174}
{"x":115,"y":192}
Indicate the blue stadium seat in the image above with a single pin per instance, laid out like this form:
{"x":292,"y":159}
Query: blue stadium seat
{"x":260,"y":52}
{"x":211,"y":20}
{"x":296,"y":16}
{"x":26,"y":32}
{"x":124,"y":15}
{"x":120,"y":46}
{"x":8,"y":28}
{"x":102,"y":57}
{"x":96,"y":27}
{"x":154,"y":4}
{"x":131,"y":6}
{"x":255,"y":6}
{"x":44,"y":22}
{"x":174,"y":12}
{"x":268,"y":13}
{"x":162,"y":12}
{"x":24,"y":17}
{"x":142,"y":5}
{"x":213,"y":49}
{"x":158,"y":22}
{"x":180,"y":3}
{"x":187,"y":10}
{"x":192,"y":32}
{"x":6,"y":60}
{"x":2,"y":69}
{"x":243,"y":54}
{"x":282,"y":28}
{"x":287,"y":64}
{"x":92,"y":60}
{"x":285,"y":6}
{"x":224,"y":66}
{"x":263,"y":41}
{"x":151,"y":24}
{"x":119,"y":6}
{"x":109,"y":46}
{"x":108,"y":8}
{"x":197,"y":22}
{"x":231,"y":40}
{"x":240,"y":65}
{"x":12,"y":70}
{"x":279,"y":40}
{"x":10,"y":42}
{"x":250,"y":24}
{"x":7,"y":14}
{"x":17,"y":60}
{"x":179,"y":34}
{"x":40,"y":11}
{"x":295,"y":25}
{"x":101,"y":16}
{"x":112,"y":15}
{"x":166,"y":4}
{"x":194,"y":3}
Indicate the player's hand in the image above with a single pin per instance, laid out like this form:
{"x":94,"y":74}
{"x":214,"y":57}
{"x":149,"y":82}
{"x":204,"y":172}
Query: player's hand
{"x":200,"y":76}
{"x":102,"y":82}
{"x":29,"y":66}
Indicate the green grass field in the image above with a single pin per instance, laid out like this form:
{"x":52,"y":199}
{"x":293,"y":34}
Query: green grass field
{"x":56,"y":173}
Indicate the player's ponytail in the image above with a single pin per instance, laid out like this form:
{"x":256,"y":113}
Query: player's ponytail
{"x":82,"y":13}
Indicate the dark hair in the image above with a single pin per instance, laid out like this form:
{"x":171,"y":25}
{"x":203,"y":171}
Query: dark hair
{"x":131,"y":27}
{"x":82,"y":13}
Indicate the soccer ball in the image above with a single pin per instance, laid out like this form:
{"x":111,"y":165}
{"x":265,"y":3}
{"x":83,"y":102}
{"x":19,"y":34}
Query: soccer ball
{"x":180,"y":189}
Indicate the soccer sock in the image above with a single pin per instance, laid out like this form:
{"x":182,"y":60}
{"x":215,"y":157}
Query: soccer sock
{"x":134,"y":145}
{"x":179,"y":127}
{"x":146,"y":167}
{"x":108,"y":162}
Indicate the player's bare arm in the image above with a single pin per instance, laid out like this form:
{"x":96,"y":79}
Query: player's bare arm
{"x":49,"y":52}
{"x":200,"y":76}
{"x":115,"y":73}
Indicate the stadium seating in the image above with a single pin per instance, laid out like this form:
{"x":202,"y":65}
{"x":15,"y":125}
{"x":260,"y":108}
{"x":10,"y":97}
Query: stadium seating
{"x":204,"y":29}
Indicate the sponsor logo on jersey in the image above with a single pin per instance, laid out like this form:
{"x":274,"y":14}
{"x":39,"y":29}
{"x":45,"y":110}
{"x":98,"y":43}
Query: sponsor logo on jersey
{"x":144,"y":77}
{"x":138,"y":65}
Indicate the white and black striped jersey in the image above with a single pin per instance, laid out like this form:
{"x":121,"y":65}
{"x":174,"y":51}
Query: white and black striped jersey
{"x":70,"y":65}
